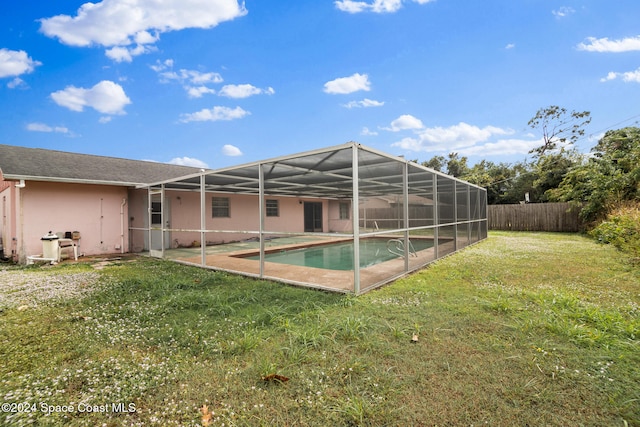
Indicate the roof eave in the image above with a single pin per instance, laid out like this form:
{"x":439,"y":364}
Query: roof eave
{"x":13,"y":177}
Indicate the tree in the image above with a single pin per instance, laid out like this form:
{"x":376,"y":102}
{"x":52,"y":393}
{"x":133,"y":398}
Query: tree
{"x":558,"y":127}
{"x":496,"y":178}
{"x":550,"y":170}
{"x":436,"y":163}
{"x":457,"y":166}
{"x":520,"y":184}
{"x":609,"y":177}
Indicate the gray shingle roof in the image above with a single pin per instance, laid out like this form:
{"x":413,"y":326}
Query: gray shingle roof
{"x":52,"y":165}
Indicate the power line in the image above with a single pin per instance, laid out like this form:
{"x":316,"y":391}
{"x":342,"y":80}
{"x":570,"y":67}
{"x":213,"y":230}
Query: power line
{"x":637,"y":116}
{"x":616,"y":124}
{"x":608,"y":128}
{"x":577,"y":141}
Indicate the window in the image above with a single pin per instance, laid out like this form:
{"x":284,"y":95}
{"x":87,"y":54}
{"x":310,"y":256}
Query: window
{"x":156,"y":213}
{"x":272,"y":207}
{"x":220,"y":207}
{"x":344,"y":210}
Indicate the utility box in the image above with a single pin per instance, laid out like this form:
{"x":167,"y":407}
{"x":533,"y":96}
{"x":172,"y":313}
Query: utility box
{"x":50,"y":246}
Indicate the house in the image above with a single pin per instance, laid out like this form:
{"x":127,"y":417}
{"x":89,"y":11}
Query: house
{"x":104,"y":201}
{"x":47,"y":190}
{"x":346,"y":218}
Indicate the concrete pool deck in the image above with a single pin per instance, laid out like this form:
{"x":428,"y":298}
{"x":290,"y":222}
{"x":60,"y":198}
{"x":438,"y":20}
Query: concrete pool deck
{"x":231,"y":258}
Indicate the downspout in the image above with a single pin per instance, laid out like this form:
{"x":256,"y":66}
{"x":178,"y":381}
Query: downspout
{"x":124,"y":202}
{"x":20,"y":249}
{"x":101,"y":221}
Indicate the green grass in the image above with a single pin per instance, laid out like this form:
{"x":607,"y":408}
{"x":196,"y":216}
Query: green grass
{"x":521,"y":329}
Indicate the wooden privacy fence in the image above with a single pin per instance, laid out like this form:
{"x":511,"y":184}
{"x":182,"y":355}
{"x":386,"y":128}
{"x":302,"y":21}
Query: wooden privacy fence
{"x":534,"y":217}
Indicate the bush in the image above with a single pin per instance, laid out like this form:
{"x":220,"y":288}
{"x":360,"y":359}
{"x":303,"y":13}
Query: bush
{"x":621,"y":229}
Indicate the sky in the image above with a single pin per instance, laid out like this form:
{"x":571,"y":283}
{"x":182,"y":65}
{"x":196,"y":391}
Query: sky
{"x":217,"y":83}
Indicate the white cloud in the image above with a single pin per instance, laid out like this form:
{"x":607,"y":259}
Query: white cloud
{"x":105,"y":119}
{"x":196,"y":77}
{"x":119,"y":54}
{"x":405,"y":122}
{"x":215,"y":114}
{"x":16,"y":82}
{"x":345,"y":85}
{"x":243,"y":91}
{"x":563,"y":12}
{"x":510,"y":46}
{"x":365,"y":103}
{"x":498,"y":148}
{"x":145,"y":37}
{"x":629,"y":76}
{"x":188,"y":161}
{"x":593,"y":44}
{"x":366,"y":132}
{"x":460,"y":138}
{"x":161,"y":66}
{"x":166,"y":74}
{"x":137,"y":23}
{"x":16,"y":62}
{"x":106,"y":97}
{"x":231,"y":150}
{"x":197,"y":92}
{"x":193,"y":81}
{"x":41,"y":127}
{"x":595,"y":138}
{"x":377,"y":6}
{"x":501,"y":147}
{"x":124,"y":54}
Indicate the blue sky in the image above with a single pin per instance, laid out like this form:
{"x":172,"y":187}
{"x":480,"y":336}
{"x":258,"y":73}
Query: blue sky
{"x":213,"y":83}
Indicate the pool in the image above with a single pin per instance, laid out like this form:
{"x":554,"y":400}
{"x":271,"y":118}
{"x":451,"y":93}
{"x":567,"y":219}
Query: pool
{"x":339,"y":256}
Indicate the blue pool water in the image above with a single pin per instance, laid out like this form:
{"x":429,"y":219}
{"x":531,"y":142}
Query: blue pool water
{"x":339,"y":256}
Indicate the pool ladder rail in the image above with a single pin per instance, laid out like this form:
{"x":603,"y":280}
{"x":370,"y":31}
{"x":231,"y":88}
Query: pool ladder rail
{"x":396,"y":247}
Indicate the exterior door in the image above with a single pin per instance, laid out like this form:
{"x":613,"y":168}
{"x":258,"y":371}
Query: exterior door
{"x":159,"y":220}
{"x":313,"y":216}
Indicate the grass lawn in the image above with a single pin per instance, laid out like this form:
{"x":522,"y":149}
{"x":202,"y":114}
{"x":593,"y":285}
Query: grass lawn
{"x":521,"y":329}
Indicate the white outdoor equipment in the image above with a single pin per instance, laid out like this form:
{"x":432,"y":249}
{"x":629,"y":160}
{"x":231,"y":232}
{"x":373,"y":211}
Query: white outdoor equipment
{"x":50,"y":246}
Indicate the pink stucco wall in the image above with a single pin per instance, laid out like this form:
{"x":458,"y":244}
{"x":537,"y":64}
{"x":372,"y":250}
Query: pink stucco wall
{"x":96,"y":211}
{"x":3,"y":184}
{"x":182,"y":209}
{"x":337,"y":225}
{"x":93,"y":210}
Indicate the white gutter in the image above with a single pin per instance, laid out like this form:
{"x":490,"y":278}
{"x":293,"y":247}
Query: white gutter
{"x":22,"y":178}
